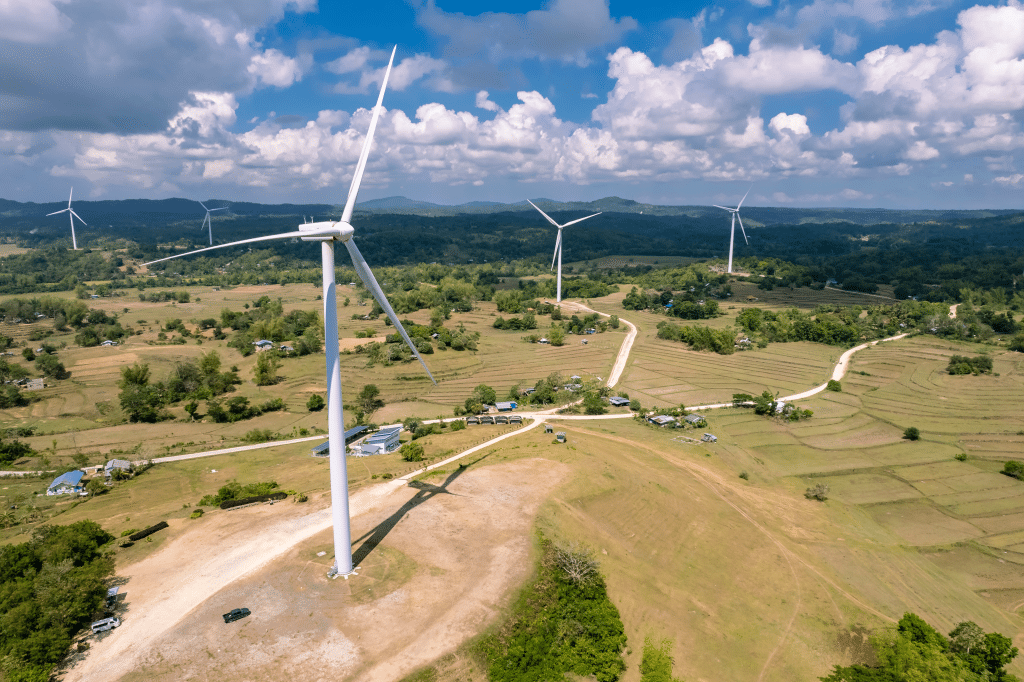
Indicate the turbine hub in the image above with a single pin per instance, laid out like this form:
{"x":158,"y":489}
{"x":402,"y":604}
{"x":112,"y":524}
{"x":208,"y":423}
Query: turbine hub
{"x":327,"y":230}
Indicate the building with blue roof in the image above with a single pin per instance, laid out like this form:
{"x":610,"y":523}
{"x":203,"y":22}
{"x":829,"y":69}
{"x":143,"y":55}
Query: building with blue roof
{"x":66,"y":484}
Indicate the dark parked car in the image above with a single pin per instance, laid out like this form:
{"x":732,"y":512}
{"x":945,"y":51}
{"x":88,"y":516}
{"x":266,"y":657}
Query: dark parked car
{"x":236,"y":614}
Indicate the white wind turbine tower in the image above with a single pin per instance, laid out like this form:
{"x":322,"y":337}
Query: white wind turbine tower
{"x":558,"y":247}
{"x":327,"y":233}
{"x":71,"y":216}
{"x":207,"y":221}
{"x":732,"y":232}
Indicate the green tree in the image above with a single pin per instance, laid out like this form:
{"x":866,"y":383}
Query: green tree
{"x":592,"y":404}
{"x":369,"y":399}
{"x":315,"y":403}
{"x":265,"y":372}
{"x":484,"y":394}
{"x":96,"y":487}
{"x":1014,"y":469}
{"x":834,"y":385}
{"x":912,"y":433}
{"x":411,"y":452}
{"x":556,"y":335}
{"x":140,"y":402}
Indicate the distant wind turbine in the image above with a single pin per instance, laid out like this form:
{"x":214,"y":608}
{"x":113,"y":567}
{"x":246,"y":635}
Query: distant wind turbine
{"x":207,"y":221}
{"x":71,"y":216}
{"x":558,"y":246}
{"x":732,"y":232}
{"x":327,"y":233}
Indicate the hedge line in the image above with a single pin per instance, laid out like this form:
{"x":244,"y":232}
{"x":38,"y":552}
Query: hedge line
{"x":256,"y":498}
{"x":135,"y":537}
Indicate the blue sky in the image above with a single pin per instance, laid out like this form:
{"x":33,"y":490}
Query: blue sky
{"x":861,"y":103}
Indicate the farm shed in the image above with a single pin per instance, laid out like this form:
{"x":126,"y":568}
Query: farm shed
{"x":506,"y":406}
{"x":66,"y":484}
{"x":619,"y":401}
{"x":662,"y":420}
{"x":472,"y":420}
{"x":548,"y":428}
{"x":695,"y":419}
{"x":560,"y":436}
{"x":116,"y":465}
{"x":515,"y":419}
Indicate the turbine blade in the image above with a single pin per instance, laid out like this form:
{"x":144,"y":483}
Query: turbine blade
{"x":370,"y":281}
{"x":203,"y":205}
{"x":70,"y":195}
{"x":580,"y":220}
{"x":222,"y":208}
{"x":78,"y":216}
{"x":357,"y":178}
{"x":745,"y":240}
{"x":544,"y":214}
{"x":724,"y":208}
{"x":56,"y":212}
{"x":558,"y":243}
{"x":284,"y":235}
{"x":744,"y":198}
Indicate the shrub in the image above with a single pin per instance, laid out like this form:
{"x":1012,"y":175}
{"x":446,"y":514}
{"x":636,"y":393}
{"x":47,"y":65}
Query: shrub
{"x":960,"y":456}
{"x":457,"y":425}
{"x":315,"y":403}
{"x":1014,"y":469}
{"x":818,"y":492}
{"x":912,"y":433}
{"x":744,"y":475}
{"x":196,"y":514}
{"x":834,"y":385}
{"x":228,"y":504}
{"x":411,"y":452}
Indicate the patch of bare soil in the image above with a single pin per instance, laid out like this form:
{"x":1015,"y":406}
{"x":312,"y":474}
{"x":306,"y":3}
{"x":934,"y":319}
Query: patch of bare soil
{"x":437,"y":560}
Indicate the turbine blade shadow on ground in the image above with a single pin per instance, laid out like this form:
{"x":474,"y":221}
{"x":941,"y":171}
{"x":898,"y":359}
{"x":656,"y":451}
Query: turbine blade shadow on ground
{"x":425,"y":491}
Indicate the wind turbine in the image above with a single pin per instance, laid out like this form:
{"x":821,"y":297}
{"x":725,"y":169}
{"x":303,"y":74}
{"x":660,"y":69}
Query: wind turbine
{"x":71,"y":216}
{"x":328,"y":232}
{"x":558,"y":246}
{"x":207,"y":221}
{"x":732,"y":231}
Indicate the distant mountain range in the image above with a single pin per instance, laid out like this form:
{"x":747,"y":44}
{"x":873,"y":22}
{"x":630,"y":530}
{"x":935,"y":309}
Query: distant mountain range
{"x":164,"y":211}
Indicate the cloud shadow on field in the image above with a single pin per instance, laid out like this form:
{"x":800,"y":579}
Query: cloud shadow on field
{"x":425,"y":491}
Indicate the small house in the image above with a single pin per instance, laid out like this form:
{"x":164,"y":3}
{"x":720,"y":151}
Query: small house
{"x":263,"y":344}
{"x":709,"y":438}
{"x":108,"y":342}
{"x":286,"y":348}
{"x":543,"y":340}
{"x":575,"y":378}
{"x":695,"y":420}
{"x":662,"y":420}
{"x":473,"y":420}
{"x":507,"y":406}
{"x":560,"y":436}
{"x":548,"y":428}
{"x":619,"y":401}
{"x":35,"y":385}
{"x":385,"y":440}
{"x":584,"y":342}
{"x":324,"y":449}
{"x":116,"y":465}
{"x":66,"y":484}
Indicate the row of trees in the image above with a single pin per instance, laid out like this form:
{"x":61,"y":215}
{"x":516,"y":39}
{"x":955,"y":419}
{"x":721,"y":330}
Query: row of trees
{"x":914,"y":650}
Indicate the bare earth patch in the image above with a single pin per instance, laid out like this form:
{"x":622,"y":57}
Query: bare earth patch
{"x":437,"y":560}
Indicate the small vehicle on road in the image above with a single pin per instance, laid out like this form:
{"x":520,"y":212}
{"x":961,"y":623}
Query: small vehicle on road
{"x":105,"y":624}
{"x":236,"y":614}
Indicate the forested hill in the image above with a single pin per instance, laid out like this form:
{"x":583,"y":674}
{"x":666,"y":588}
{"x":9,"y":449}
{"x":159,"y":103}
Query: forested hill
{"x":987,"y":246}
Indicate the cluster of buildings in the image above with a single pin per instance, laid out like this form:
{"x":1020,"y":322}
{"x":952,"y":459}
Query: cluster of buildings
{"x":70,"y":483}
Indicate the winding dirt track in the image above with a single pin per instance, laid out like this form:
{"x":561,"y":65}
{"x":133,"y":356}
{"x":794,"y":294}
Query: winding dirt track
{"x":241,"y":554}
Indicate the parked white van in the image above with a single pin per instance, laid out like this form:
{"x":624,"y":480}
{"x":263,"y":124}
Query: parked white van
{"x":105,"y":624}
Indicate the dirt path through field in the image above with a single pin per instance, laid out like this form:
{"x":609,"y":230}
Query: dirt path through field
{"x":627,"y":345}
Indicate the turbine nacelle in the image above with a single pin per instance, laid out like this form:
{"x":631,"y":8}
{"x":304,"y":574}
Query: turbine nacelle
{"x":327,"y":230}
